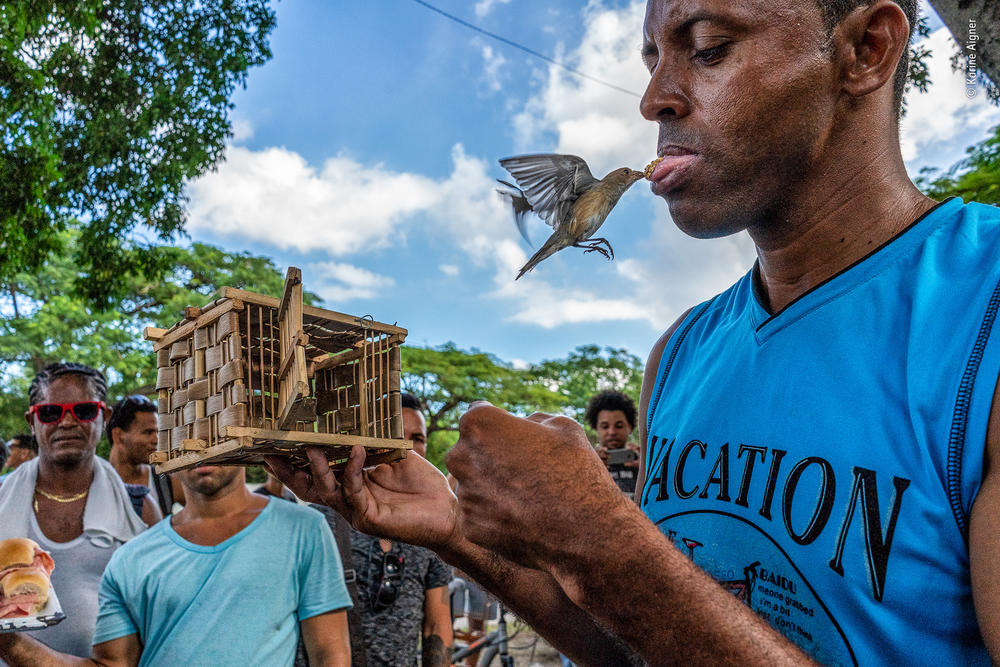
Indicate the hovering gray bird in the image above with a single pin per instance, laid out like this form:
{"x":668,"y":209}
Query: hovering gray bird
{"x":563,"y":192}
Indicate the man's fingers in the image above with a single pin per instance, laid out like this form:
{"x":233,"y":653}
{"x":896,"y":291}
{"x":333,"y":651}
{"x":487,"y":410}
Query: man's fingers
{"x":324,"y":483}
{"x":297,"y":481}
{"x":353,"y":480}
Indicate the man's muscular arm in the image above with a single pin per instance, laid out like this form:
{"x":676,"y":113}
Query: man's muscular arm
{"x":616,"y":568}
{"x":538,"y":600}
{"x":984,"y":538}
{"x":19,"y":650}
{"x":150,"y":511}
{"x":436,"y":632}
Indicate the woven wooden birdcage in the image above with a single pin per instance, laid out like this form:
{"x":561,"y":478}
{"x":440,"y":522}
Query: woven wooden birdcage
{"x":250,"y":375}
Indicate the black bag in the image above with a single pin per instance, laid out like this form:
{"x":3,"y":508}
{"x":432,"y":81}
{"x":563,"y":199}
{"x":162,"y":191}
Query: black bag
{"x":164,"y":492}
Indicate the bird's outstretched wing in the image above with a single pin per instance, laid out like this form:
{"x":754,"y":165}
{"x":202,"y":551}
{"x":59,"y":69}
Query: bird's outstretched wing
{"x":520,"y":204}
{"x":550,"y":182}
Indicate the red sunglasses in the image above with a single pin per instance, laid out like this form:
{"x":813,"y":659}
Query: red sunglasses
{"x":51,"y":413}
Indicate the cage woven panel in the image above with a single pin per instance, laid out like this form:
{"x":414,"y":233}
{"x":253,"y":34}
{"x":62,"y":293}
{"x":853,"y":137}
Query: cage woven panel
{"x":249,"y":375}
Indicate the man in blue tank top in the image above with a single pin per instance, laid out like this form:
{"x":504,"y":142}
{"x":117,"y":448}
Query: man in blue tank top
{"x":819,"y":475}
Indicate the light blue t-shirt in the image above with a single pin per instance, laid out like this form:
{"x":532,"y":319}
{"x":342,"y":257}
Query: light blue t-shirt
{"x":822,"y":462}
{"x":237,"y":603}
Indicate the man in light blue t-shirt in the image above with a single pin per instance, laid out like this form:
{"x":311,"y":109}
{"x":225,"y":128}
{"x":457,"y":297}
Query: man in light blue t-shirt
{"x":229,"y":580}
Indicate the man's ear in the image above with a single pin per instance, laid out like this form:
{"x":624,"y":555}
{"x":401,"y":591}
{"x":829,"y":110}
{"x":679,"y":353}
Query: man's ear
{"x":869,"y":44}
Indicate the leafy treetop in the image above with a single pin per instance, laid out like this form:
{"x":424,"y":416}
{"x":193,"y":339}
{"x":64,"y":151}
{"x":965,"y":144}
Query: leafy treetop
{"x":108,"y":106}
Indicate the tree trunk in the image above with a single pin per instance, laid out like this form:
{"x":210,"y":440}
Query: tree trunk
{"x":958,"y":16}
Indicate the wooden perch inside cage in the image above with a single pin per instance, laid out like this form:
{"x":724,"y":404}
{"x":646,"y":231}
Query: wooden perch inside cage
{"x":249,"y":375}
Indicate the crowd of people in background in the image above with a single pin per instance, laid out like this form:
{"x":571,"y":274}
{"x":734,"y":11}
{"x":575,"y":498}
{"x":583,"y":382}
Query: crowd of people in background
{"x":136,"y":589}
{"x":19,"y":449}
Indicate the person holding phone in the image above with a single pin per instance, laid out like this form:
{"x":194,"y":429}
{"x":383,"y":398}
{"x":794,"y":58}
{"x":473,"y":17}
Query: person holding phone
{"x":612,"y":416}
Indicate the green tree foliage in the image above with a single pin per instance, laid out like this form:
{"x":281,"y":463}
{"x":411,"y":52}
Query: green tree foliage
{"x":918,"y":75}
{"x":447,"y":379}
{"x":976,"y":178}
{"x":108,"y":106}
{"x":42,"y":321}
{"x":587,"y":371}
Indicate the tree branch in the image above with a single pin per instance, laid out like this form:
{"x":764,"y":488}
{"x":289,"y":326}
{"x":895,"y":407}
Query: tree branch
{"x":13,"y":299}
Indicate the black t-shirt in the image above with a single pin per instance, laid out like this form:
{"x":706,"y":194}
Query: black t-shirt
{"x":392,"y":635}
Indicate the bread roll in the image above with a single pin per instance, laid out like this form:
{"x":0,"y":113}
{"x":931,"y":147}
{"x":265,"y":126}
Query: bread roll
{"x":28,"y":588}
{"x":17,"y":552}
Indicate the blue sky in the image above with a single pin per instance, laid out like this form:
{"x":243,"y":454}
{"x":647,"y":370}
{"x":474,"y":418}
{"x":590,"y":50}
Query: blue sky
{"x":365,"y":153}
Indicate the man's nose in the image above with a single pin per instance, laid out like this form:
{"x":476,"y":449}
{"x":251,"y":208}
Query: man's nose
{"x":68,"y":415}
{"x":664,"y":98}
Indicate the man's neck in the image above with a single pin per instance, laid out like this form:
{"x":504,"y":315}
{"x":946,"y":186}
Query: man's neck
{"x":131,"y":471}
{"x":211,"y":520}
{"x":65,"y":479}
{"x":828,"y":227}
{"x":227,"y":501}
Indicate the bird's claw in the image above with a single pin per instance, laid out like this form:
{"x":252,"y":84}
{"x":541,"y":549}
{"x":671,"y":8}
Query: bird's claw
{"x":595,"y":246}
{"x":598,"y":249}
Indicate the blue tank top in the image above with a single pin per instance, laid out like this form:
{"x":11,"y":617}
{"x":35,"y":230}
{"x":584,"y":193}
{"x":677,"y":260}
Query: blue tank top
{"x":821,"y":463}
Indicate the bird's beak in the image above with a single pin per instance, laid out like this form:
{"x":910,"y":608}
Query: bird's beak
{"x":636,"y":176}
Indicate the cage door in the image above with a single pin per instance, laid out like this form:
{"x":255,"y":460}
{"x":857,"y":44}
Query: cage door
{"x":294,"y":401}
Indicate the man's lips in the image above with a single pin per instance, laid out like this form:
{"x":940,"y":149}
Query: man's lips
{"x":69,"y":437}
{"x":670,"y":171}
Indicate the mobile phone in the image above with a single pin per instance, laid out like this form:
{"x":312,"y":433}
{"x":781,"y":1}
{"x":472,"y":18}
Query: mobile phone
{"x":620,"y":456}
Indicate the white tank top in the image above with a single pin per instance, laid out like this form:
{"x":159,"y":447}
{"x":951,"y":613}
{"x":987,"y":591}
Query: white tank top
{"x":76,"y":580}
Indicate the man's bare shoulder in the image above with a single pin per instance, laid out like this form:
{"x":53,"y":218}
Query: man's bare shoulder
{"x":984,"y":537}
{"x":653,"y":360}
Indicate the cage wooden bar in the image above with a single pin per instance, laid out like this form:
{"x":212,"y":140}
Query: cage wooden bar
{"x":250,"y":375}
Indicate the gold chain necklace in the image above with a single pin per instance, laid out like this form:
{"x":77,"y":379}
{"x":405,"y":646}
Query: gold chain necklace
{"x":60,"y":499}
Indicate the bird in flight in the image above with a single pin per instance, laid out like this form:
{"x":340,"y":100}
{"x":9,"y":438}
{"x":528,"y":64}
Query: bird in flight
{"x":561,"y":190}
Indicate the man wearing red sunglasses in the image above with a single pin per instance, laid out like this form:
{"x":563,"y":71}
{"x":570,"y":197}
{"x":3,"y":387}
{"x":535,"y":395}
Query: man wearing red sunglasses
{"x":70,"y":501}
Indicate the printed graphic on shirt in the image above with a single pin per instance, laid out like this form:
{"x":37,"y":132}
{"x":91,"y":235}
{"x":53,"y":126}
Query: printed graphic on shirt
{"x":765,"y":580}
{"x":742,"y":513}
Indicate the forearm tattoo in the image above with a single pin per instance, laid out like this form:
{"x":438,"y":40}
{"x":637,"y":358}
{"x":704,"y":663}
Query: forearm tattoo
{"x":435,"y":653}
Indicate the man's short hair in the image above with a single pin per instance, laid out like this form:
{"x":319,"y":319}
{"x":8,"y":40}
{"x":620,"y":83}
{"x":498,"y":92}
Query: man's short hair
{"x":835,"y":11}
{"x":25,"y":441}
{"x":410,"y":401}
{"x":125,"y":411}
{"x":611,"y":400}
{"x":95,"y":378}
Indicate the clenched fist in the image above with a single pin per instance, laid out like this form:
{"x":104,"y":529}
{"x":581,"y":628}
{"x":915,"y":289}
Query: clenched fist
{"x":528,"y":488}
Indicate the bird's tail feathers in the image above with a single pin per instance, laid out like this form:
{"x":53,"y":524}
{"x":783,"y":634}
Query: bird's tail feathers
{"x":550,"y":247}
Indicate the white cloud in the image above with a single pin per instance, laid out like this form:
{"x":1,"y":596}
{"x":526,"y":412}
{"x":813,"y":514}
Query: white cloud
{"x":549,"y":307}
{"x":346,"y":208}
{"x":336,"y":282}
{"x":276,"y":197}
{"x":449,"y":270}
{"x":484,"y":7}
{"x":675,"y":271}
{"x":493,"y":62}
{"x":242,"y":130}
{"x":943,"y":114}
